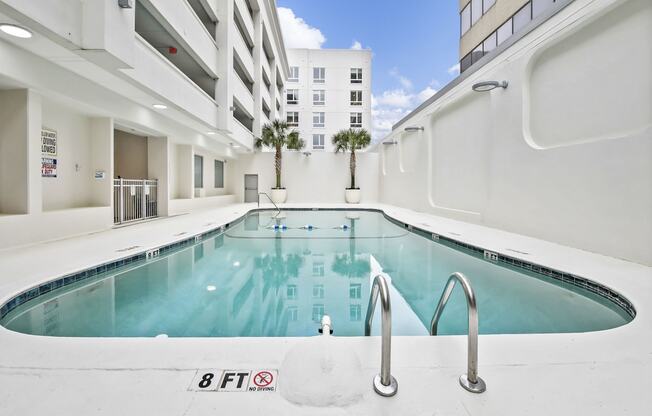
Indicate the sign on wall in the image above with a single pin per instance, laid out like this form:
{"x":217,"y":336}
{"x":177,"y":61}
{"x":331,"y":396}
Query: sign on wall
{"x":48,"y":167}
{"x":48,"y":151}
{"x":48,"y":143}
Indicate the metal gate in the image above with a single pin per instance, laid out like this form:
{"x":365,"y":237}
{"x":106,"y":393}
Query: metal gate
{"x":134,"y":199}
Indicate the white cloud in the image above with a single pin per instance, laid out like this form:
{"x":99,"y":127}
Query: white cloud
{"x":356,"y":45}
{"x":392,"y":105}
{"x":454,"y":70}
{"x":405,"y":82}
{"x":297,"y":33}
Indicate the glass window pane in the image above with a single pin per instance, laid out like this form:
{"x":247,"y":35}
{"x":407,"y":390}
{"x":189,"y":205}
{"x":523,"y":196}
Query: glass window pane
{"x":538,"y":6}
{"x":465,"y":19}
{"x":465,"y":63}
{"x":504,"y":32}
{"x":219,"y":174}
{"x":486,"y":4}
{"x":199,"y":171}
{"x":476,"y":11}
{"x":477,"y":54}
{"x":522,"y":17}
{"x":490,"y":43}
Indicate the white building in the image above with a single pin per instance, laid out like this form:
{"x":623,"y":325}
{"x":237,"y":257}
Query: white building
{"x":161,"y":90}
{"x":328,"y":90}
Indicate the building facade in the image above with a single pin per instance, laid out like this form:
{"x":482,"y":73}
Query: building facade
{"x":485,"y":24}
{"x":328,"y":90}
{"x":95,"y":91}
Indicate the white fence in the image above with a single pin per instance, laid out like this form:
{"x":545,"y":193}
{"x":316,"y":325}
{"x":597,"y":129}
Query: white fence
{"x":134,"y":199}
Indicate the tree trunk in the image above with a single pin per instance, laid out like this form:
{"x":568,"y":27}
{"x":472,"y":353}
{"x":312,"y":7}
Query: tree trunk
{"x":352,"y":163}
{"x":277,"y":164}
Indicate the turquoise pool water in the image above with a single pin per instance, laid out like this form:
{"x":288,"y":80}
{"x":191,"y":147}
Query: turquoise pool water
{"x":253,"y":280}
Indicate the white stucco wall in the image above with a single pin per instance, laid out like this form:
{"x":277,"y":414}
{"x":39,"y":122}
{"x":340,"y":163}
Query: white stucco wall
{"x":320,"y":177}
{"x":563,"y":154}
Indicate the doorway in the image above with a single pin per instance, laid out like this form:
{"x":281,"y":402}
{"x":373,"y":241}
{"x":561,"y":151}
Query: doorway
{"x":251,"y":188}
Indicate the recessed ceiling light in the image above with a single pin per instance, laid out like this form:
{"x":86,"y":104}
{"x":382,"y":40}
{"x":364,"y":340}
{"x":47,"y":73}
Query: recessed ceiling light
{"x":160,"y":106}
{"x":17,"y":31}
{"x":236,"y":264}
{"x":210,"y":133}
{"x":211,"y":288}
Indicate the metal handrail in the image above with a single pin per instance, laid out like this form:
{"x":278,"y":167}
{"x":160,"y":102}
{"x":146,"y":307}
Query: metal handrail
{"x":384,"y":383}
{"x":470,"y":381}
{"x":270,"y":200}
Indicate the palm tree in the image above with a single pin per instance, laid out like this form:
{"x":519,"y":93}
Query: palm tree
{"x":277,"y":136}
{"x":349,"y":141}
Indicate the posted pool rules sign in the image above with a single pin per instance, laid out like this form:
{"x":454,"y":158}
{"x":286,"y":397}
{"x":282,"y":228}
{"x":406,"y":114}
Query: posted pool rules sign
{"x":234,"y":380}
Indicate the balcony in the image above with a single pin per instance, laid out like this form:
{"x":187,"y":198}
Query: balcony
{"x":243,"y":52}
{"x":242,"y":94}
{"x":241,"y":134}
{"x":245,"y":19}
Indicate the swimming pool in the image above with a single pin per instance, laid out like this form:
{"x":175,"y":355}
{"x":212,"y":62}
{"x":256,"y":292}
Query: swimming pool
{"x":267,"y":276}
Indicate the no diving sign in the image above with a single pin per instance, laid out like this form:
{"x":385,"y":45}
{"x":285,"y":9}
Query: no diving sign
{"x":234,"y":380}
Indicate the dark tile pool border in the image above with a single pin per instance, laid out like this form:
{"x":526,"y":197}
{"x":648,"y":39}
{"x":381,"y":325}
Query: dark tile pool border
{"x":572,"y":279}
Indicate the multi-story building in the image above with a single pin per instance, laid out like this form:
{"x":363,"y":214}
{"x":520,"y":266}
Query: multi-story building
{"x":328,"y":90}
{"x":485,"y":24}
{"x":164,"y":90}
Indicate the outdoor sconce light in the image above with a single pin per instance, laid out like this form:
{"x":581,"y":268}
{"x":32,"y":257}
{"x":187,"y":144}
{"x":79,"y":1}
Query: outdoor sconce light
{"x":126,"y":4}
{"x":488,"y":85}
{"x":414,"y":128}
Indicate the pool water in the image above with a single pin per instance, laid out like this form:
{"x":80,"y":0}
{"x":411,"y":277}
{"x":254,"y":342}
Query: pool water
{"x":257,"y":281}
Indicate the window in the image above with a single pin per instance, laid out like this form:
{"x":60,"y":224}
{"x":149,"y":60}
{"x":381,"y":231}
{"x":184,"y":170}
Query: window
{"x":317,"y":312}
{"x":356,"y":97}
{"x":318,"y":119}
{"x":318,"y":291}
{"x":294,"y":74}
{"x":489,"y":44}
{"x":504,"y":32}
{"x":477,"y":53}
{"x":538,"y":6}
{"x":465,"y":63}
{"x":292,"y":96}
{"x":355,"y":313}
{"x":355,"y":291}
{"x":522,"y":17}
{"x":199,"y":171}
{"x":486,"y":5}
{"x":465,"y":19}
{"x":318,"y":268}
{"x":318,"y":142}
{"x":318,"y":97}
{"x":476,"y":11}
{"x":293,"y":118}
{"x":356,"y":75}
{"x":292,"y":313}
{"x":356,"y":119}
{"x":292,"y":292}
{"x":219,"y":174}
{"x":319,"y":75}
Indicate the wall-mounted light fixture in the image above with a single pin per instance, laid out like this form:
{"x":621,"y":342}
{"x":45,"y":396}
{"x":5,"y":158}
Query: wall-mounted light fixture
{"x":307,"y":153}
{"x":488,"y":85}
{"x":414,"y":128}
{"x":232,"y":108}
{"x":15,"y":31}
{"x":126,"y":4}
{"x":389,"y":143}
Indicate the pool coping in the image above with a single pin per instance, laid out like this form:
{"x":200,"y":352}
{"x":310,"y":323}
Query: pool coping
{"x":48,"y":285}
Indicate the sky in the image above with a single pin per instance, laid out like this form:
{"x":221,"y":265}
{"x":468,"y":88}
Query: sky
{"x":414,"y":44}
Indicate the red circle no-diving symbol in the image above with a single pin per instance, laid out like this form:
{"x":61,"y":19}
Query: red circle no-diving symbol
{"x":263,"y":379}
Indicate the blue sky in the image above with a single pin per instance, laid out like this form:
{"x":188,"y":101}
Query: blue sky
{"x":414,"y":43}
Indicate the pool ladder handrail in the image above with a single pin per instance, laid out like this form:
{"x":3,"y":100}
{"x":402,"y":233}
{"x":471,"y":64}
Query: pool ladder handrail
{"x":278,"y":210}
{"x":384,"y":383}
{"x":470,"y":381}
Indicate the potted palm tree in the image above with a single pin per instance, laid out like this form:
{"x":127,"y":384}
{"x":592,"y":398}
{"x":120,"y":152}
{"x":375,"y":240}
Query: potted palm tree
{"x":276,"y":135}
{"x":349,"y":141}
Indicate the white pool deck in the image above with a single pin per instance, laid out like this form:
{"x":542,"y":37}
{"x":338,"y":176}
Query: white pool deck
{"x":597,"y":373}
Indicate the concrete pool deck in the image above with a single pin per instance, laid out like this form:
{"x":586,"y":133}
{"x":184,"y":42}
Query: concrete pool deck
{"x":597,"y":373}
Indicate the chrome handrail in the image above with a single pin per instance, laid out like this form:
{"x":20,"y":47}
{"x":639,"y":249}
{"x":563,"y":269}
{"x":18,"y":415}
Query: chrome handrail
{"x":384,"y":383}
{"x":470,"y":381}
{"x":270,"y":200}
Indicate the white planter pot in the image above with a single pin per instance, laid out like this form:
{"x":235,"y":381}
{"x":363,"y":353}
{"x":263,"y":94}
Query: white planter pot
{"x":279,"y":196}
{"x":352,"y":196}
